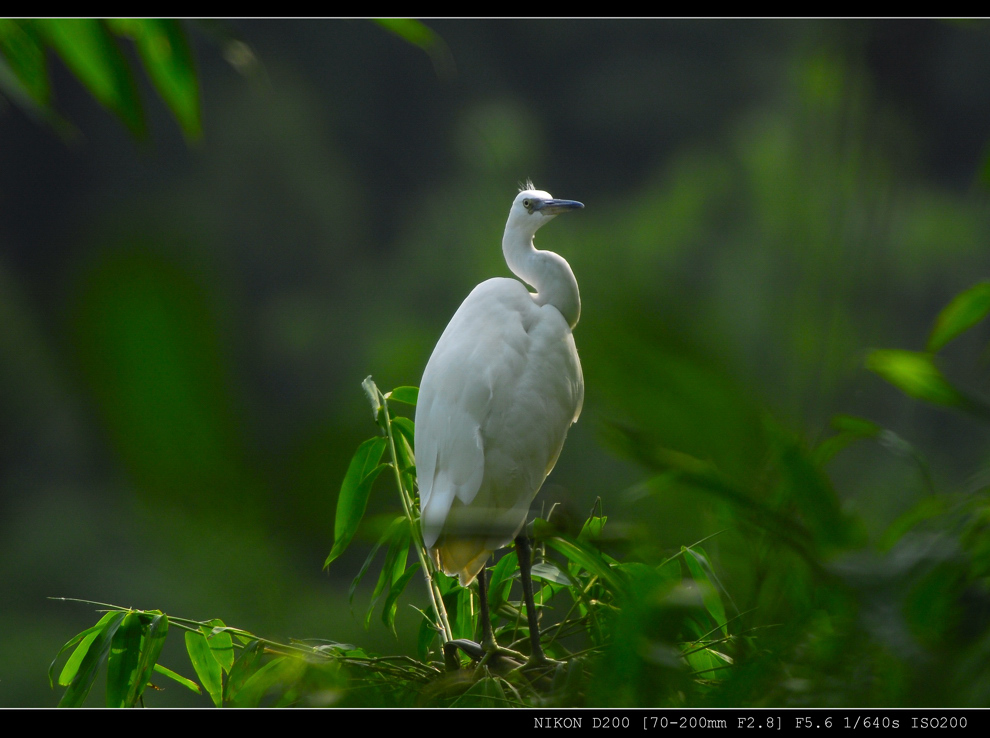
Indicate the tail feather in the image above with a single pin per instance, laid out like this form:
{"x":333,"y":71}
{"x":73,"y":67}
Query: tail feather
{"x":462,"y":558}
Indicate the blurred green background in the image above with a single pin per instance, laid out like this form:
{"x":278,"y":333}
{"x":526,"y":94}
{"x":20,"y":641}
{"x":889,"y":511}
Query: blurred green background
{"x":184,"y":327}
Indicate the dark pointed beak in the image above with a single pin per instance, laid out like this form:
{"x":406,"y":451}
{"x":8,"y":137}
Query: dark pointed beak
{"x":555,"y":207}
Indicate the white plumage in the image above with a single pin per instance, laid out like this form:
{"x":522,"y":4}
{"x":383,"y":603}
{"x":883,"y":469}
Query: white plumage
{"x":498,"y":395}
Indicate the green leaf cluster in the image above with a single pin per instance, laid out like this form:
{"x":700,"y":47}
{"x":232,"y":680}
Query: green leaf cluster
{"x":628,"y":627}
{"x":129,"y":643}
{"x":90,"y":48}
{"x":917,"y":373}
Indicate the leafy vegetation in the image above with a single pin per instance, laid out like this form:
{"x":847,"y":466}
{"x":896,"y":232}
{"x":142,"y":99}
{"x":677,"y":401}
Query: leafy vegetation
{"x":89,"y":48}
{"x":795,"y":593}
{"x":833,"y":621}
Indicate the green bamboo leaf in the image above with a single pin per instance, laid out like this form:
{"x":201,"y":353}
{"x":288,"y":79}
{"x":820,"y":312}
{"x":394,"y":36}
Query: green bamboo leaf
{"x":373,"y":394}
{"x":354,"y":491}
{"x":501,"y":580}
{"x":484,"y":693}
{"x":809,"y":488}
{"x":151,"y":648}
{"x":385,"y":537}
{"x":242,"y":670}
{"x":697,"y":564}
{"x":426,"y":635}
{"x":408,"y":395}
{"x":25,"y":57}
{"x":703,"y":663}
{"x":399,"y":537}
{"x":405,"y":440}
{"x":221,"y":644}
{"x":122,"y":664}
{"x":592,"y":528}
{"x":684,"y":469}
{"x":82,"y":680}
{"x":392,"y":601}
{"x":422,"y":36}
{"x":851,"y":429}
{"x":914,"y":374}
{"x":207,"y":667}
{"x":187,"y":683}
{"x":284,"y":670}
{"x":853,"y":424}
{"x":575,"y":551}
{"x":71,"y":667}
{"x":463,"y":615}
{"x":243,"y":636}
{"x":962,"y":313}
{"x":169,"y":63}
{"x":669,"y":571}
{"x":91,"y":53}
{"x":926,"y":508}
{"x":82,"y":642}
{"x":550,"y":572}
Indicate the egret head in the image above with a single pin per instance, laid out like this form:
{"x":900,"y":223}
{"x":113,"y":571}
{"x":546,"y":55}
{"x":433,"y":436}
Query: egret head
{"x":533,"y":208}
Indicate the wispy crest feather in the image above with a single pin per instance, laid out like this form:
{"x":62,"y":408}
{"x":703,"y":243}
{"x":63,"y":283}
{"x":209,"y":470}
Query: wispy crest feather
{"x":528,"y":185}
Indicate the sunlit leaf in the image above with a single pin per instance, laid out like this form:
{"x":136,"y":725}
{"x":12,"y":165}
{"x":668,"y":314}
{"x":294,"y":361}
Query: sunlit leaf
{"x":354,"y":492}
{"x":187,"y":683}
{"x":915,"y":374}
{"x":221,"y":644}
{"x":404,"y":440}
{"x":123,"y":662}
{"x":592,"y":528}
{"x":152,"y":642}
{"x":408,"y":395}
{"x":96,"y":654}
{"x":966,"y":310}
{"x":701,"y":662}
{"x":81,"y":642}
{"x":207,"y":667}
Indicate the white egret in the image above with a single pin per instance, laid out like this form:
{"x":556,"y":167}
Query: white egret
{"x":499,"y":393}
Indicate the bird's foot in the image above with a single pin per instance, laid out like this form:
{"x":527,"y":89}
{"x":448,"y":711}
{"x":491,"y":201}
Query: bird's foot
{"x":539,"y":662}
{"x":486,"y":654}
{"x":501,"y":659}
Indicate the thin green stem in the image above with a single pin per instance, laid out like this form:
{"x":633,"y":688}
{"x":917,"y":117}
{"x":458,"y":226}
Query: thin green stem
{"x":426,"y":562}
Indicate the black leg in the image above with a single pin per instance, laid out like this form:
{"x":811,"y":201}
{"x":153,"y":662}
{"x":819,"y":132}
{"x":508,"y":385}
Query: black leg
{"x":487,"y":634}
{"x":494,"y":656}
{"x":524,"y":550}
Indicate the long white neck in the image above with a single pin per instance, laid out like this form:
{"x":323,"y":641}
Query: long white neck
{"x":547,"y":272}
